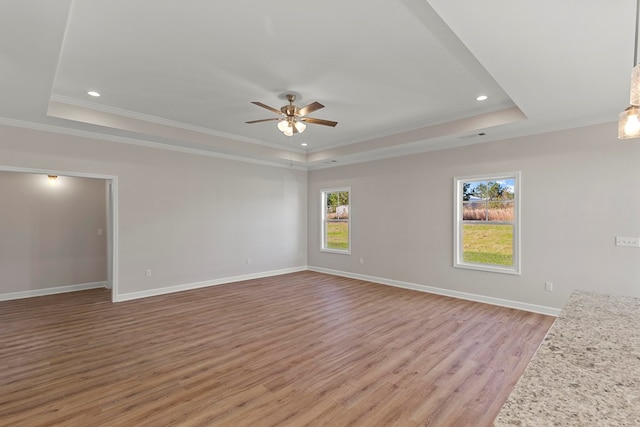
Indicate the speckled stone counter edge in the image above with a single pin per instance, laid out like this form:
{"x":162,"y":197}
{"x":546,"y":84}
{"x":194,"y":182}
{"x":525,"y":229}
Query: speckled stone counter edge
{"x":586,"y":372}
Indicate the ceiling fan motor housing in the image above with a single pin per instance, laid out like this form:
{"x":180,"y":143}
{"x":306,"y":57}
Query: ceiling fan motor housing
{"x":290,"y":110}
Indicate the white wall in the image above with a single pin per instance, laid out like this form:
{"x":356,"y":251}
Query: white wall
{"x":188,"y":218}
{"x":49,"y":235}
{"x":580,"y":189}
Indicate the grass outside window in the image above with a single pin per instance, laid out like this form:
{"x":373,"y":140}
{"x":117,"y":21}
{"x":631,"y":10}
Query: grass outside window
{"x":488,"y":244}
{"x":337,"y":235}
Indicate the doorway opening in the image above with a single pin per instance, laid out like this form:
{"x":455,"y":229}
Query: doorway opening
{"x":108,"y":232}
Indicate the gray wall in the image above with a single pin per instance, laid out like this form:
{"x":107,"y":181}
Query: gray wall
{"x":192,"y":218}
{"x":580,"y":189}
{"x":49,"y":235}
{"x":187,"y":218}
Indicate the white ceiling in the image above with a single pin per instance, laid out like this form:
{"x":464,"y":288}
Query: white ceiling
{"x":400,"y":76}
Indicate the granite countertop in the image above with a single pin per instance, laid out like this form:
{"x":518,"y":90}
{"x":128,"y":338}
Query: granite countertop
{"x":586,"y":371}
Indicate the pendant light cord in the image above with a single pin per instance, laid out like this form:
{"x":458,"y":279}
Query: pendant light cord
{"x":635,"y":47}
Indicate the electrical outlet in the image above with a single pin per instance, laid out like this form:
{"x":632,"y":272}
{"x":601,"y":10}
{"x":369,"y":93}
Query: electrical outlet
{"x":628,"y":241}
{"x":248,"y":260}
{"x":147,"y":273}
{"x":548,"y":286}
{"x":361,"y":260}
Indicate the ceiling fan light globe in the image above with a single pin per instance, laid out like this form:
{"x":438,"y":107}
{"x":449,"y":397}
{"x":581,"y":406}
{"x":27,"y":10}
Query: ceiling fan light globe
{"x":300,"y":127}
{"x":288,"y":131}
{"x":283,"y":125}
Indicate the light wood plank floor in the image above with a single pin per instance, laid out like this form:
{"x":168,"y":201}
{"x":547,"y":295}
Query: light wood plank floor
{"x":293,"y":350}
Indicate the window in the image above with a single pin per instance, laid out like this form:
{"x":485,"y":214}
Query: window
{"x":487,"y":231}
{"x":336,"y":222}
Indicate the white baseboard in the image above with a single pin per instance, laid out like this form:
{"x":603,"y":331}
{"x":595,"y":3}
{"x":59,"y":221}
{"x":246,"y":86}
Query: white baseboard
{"x":51,"y":291}
{"x":550,"y":311}
{"x":189,"y":286}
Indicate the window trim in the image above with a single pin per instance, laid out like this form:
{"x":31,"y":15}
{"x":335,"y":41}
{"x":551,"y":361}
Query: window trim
{"x":323,"y":222}
{"x":458,"y":262}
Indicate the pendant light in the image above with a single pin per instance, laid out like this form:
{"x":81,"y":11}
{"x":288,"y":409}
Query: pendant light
{"x":629,"y":120}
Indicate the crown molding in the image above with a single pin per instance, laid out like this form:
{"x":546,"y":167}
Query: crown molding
{"x":141,"y":143}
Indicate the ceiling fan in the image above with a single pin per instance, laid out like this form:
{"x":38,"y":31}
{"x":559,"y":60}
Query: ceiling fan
{"x":293,"y":120}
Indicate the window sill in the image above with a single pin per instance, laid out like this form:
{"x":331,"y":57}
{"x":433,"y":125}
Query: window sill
{"x":336,"y":251}
{"x":489,"y":268}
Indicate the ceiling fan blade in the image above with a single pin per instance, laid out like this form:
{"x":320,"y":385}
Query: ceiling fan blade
{"x":319,"y":121}
{"x":263,"y":120}
{"x":260,"y":104}
{"x":308,"y":109}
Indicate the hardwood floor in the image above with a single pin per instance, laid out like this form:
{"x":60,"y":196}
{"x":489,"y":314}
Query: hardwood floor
{"x":293,"y":350}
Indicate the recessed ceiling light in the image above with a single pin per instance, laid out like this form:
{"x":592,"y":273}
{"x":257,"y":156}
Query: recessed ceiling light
{"x":93,"y":93}
{"x":482,"y":98}
{"x":304,"y":144}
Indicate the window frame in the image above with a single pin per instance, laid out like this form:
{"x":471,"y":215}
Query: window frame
{"x":323,"y":222}
{"x":458,"y":255}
